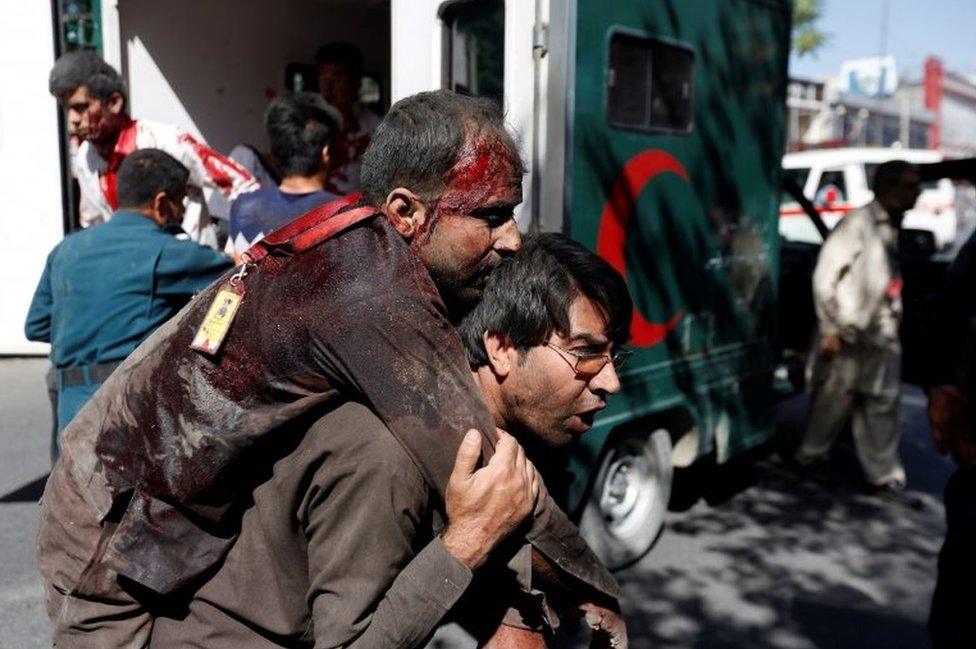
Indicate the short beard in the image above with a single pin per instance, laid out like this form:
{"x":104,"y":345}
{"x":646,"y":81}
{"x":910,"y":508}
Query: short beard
{"x":459,"y":297}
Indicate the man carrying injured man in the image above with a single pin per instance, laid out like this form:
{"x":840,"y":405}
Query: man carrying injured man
{"x":350,"y":304}
{"x":334,"y":550}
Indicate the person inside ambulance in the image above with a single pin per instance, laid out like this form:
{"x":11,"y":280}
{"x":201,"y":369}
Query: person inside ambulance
{"x":302,"y":130}
{"x":856,"y":369}
{"x":94,"y":98}
{"x":340,"y":75}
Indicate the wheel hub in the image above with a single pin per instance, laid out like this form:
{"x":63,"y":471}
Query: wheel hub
{"x":622,"y":488}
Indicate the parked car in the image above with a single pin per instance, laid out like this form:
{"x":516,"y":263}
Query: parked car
{"x":922,"y":266}
{"x":838,"y":181}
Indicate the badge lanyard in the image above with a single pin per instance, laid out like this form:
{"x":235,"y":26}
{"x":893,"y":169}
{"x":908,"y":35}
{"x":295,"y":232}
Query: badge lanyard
{"x":301,"y":234}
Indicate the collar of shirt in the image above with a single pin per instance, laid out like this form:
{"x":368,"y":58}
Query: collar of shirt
{"x":132,"y":219}
{"x":124,"y":145}
{"x":878,"y":212}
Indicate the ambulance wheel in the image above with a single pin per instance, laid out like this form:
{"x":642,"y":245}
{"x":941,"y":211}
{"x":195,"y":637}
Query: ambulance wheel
{"x":625,"y":511}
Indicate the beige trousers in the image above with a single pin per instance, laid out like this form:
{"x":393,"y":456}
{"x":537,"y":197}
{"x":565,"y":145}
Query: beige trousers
{"x":863,"y":385}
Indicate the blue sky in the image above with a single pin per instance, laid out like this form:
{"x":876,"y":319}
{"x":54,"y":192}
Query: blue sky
{"x":916,"y":28}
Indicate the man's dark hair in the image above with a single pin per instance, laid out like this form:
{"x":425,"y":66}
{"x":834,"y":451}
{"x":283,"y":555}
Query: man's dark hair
{"x":342,"y":53}
{"x":528,"y":296}
{"x":420,"y":139}
{"x":299,"y":125}
{"x":889,"y":174}
{"x":145,"y":173}
{"x":87,"y":69}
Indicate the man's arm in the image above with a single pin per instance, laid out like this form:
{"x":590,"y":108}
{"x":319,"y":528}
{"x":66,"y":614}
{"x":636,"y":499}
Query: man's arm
{"x":948,"y":405}
{"x":397,"y":350}
{"x":185,"y":267}
{"x":209,"y":168}
{"x":835,"y":264}
{"x":367,"y":509}
{"x":38,"y":324}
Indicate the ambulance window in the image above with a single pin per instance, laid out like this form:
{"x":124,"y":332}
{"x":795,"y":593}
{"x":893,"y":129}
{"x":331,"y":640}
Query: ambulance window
{"x":474,"y":47}
{"x":870,"y":168}
{"x":650,"y":84}
{"x":832,"y":188}
{"x":799,"y":175}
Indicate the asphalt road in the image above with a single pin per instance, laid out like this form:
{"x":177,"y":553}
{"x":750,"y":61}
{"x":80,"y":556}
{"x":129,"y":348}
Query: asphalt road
{"x":760,"y":557}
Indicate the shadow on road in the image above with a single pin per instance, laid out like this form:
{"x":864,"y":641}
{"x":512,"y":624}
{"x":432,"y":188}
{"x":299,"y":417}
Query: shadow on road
{"x":765,"y":557}
{"x":29,"y":493}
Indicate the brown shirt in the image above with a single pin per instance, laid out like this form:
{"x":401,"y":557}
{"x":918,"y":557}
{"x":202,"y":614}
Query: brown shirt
{"x":157,"y":453}
{"x":337,"y":550}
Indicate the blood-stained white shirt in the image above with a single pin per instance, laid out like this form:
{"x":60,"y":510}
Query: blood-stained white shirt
{"x":209,"y":171}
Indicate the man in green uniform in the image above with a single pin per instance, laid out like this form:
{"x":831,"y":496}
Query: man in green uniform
{"x":106,"y":288}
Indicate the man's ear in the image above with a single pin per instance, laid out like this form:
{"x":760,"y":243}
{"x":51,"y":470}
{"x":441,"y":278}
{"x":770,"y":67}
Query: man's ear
{"x":166,"y":209}
{"x":406,"y":212}
{"x":502,"y":354}
{"x":160,"y":208}
{"x":115,"y":103}
{"x":325,"y":157}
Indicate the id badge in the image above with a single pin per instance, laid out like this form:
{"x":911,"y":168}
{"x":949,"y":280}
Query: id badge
{"x":216,"y":324}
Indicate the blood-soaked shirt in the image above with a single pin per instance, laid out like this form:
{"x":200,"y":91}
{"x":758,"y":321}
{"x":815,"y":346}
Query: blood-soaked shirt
{"x":340,"y":543}
{"x":160,"y":448}
{"x":209,"y":171}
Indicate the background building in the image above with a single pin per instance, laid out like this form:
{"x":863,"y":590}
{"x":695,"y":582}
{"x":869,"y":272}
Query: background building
{"x":864,"y":105}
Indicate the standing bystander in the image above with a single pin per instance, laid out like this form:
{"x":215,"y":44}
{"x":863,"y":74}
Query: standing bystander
{"x":94,"y":97}
{"x":106,"y":288}
{"x":340,"y":74}
{"x":951,"y":389}
{"x":856,"y":369}
{"x":302,"y":129}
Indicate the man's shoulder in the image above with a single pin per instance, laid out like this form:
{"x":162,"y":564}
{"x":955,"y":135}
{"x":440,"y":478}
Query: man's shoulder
{"x":372,"y":248}
{"x":168,"y":137}
{"x":852,"y":223}
{"x":258,"y":197}
{"x":154,"y":128}
{"x":257,"y":213}
{"x":84,"y":237}
{"x":865,"y":211}
{"x":353,"y":436}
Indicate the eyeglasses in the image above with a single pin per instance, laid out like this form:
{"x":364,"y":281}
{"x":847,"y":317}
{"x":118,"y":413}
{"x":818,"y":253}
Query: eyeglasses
{"x":590,"y":364}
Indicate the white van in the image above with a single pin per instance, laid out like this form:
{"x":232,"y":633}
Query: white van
{"x":838,"y":181}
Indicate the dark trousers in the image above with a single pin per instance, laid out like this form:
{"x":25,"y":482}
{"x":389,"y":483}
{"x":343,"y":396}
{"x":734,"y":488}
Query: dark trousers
{"x":952,"y":624}
{"x":51,"y":379}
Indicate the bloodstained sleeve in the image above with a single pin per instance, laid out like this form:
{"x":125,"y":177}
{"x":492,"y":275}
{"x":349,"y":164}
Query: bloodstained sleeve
{"x":396,"y":350}
{"x":209,"y":168}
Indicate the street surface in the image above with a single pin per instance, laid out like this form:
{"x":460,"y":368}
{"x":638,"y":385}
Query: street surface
{"x":759,"y":558}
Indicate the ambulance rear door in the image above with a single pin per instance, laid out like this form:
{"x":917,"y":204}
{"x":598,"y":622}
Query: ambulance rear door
{"x":30,"y":165}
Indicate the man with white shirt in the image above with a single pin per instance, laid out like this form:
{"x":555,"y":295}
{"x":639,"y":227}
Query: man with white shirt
{"x":94,"y":98}
{"x":857,"y":368}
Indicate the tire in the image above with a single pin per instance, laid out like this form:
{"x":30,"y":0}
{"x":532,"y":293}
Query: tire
{"x":625,"y":510}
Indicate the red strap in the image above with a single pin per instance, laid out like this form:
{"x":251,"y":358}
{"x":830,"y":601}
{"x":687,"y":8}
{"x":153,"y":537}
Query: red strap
{"x":311,"y":228}
{"x":124,"y":145}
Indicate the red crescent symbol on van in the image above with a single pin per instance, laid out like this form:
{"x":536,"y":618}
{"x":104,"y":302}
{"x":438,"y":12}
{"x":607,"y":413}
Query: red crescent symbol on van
{"x":612,"y":234}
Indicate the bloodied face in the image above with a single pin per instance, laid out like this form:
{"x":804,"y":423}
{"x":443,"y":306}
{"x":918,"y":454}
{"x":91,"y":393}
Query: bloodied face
{"x":93,"y":119}
{"x":470,"y":227}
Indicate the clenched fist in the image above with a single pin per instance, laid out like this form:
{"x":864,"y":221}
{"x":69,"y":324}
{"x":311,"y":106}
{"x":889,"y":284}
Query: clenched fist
{"x":485,"y":505}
